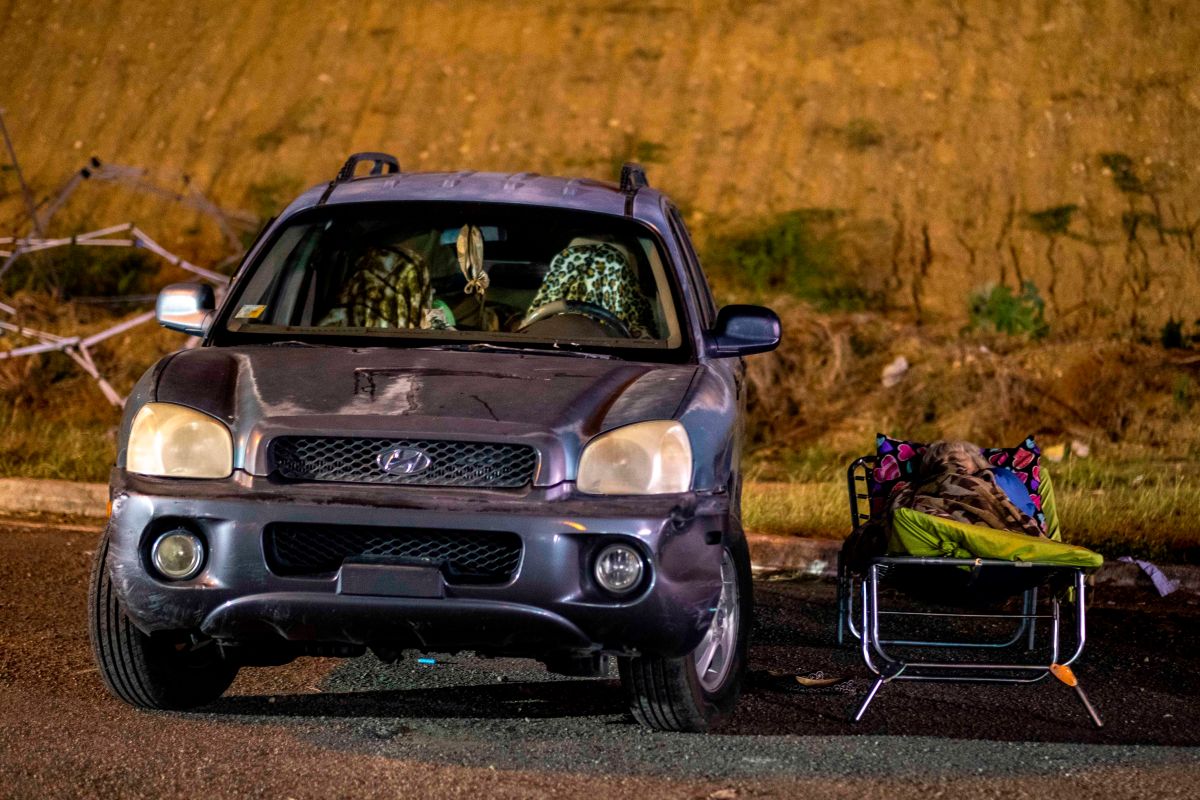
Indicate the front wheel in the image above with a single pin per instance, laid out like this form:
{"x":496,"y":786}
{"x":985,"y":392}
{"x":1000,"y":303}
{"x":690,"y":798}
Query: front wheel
{"x":697,"y":692}
{"x":157,"y":672}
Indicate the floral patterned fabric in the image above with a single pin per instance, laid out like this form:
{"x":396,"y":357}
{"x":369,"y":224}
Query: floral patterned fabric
{"x":900,"y":460}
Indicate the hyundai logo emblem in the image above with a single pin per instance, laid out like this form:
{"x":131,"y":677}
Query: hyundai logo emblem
{"x":402,"y":461}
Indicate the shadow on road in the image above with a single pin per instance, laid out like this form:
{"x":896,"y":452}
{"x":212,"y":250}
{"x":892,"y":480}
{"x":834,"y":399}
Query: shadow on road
{"x":510,"y":700}
{"x":1137,"y":669}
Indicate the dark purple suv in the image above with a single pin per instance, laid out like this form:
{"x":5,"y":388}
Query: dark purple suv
{"x":441,"y":412}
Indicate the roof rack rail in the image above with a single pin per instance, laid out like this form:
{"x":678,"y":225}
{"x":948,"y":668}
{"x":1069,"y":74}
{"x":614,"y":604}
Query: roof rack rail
{"x":378,"y":162}
{"x":346,"y":173}
{"x":633,"y":177}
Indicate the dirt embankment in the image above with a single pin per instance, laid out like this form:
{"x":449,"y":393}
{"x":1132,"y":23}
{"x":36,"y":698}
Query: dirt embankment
{"x":952,"y":143}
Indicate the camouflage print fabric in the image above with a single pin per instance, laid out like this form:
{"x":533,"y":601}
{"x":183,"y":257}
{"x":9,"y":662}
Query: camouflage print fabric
{"x":389,"y":288}
{"x":599,"y":274}
{"x":957,"y":483}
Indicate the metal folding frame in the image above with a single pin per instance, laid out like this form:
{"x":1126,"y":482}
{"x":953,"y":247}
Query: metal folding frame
{"x":879,"y":652}
{"x":77,"y":347}
{"x":40,"y":215}
{"x":137,"y":238}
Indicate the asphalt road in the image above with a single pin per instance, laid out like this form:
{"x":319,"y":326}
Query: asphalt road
{"x":504,"y":728}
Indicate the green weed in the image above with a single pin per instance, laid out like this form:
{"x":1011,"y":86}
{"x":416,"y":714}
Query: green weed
{"x":997,"y":309}
{"x":799,"y":252}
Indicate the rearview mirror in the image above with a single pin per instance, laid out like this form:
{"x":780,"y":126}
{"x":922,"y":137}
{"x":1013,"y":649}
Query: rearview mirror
{"x":744,"y":330}
{"x":185,"y":307}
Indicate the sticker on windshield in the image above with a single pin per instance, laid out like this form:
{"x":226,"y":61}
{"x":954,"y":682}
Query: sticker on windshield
{"x":250,"y":312}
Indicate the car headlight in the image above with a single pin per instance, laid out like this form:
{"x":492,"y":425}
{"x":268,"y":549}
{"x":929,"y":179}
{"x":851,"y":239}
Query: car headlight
{"x":645,"y":458}
{"x":174,"y":441}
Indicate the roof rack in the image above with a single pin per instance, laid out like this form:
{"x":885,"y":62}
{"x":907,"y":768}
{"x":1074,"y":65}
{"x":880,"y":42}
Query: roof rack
{"x":346,"y":173}
{"x":378,"y":162}
{"x":633,"y":177}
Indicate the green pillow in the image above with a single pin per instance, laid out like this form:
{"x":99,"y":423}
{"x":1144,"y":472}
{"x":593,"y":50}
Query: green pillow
{"x":924,"y":535}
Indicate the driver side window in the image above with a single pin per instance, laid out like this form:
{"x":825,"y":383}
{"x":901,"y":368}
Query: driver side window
{"x":708,"y":307}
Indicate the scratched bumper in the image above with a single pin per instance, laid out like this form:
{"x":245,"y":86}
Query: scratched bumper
{"x":549,"y":606}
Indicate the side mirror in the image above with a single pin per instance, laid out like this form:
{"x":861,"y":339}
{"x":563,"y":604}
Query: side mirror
{"x":743,"y":331}
{"x":185,"y":307}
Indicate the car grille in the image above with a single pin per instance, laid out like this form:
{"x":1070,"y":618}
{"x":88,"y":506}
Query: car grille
{"x":462,"y":556}
{"x":357,"y":460}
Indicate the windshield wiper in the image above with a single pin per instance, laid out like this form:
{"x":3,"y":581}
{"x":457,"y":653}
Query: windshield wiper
{"x":481,"y":347}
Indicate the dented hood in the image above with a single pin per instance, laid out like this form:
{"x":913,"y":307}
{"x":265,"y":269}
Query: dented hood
{"x":553,"y":402}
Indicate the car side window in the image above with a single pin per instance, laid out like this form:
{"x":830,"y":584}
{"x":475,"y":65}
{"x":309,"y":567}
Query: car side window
{"x":708,"y":307}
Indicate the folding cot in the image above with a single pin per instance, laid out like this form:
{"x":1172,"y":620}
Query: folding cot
{"x":968,"y":569}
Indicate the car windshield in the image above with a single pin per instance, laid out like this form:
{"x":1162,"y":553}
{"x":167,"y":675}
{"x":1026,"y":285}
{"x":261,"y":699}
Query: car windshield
{"x":506,"y":274}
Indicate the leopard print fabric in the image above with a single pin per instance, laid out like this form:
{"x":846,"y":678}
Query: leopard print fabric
{"x":602,"y":275}
{"x":390,"y":288}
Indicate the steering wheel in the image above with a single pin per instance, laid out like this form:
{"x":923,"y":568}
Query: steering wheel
{"x":608,"y":323}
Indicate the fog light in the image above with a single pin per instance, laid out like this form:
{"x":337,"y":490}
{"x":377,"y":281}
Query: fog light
{"x":619,"y":568}
{"x":177,"y":554}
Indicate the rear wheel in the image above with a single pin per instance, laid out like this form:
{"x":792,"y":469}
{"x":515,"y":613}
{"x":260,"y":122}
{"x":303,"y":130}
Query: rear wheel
{"x":158,"y":672}
{"x":697,"y":692}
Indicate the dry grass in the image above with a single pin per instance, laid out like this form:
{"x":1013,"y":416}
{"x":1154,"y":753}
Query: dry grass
{"x":818,"y":400}
{"x":817,"y":510}
{"x":33,"y":446}
{"x":54,"y":421}
{"x":1147,"y":520}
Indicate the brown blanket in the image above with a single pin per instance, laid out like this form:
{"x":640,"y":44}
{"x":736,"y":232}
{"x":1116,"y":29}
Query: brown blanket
{"x":956,"y":482}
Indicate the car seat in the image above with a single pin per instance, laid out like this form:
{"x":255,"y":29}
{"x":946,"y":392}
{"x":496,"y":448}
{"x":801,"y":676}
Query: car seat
{"x":390,"y":287}
{"x":597,"y":273}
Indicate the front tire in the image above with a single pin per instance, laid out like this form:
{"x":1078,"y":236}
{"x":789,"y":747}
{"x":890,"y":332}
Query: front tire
{"x":153,"y":672}
{"x":697,"y":692}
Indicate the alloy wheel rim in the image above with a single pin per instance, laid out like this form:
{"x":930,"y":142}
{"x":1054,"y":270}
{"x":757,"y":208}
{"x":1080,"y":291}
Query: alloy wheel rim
{"x":714,"y":657}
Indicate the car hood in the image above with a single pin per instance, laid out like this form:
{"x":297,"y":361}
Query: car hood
{"x":553,"y":402}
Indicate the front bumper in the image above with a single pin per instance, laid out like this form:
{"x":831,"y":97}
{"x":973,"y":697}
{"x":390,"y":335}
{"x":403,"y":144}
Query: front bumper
{"x":549,"y":606}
